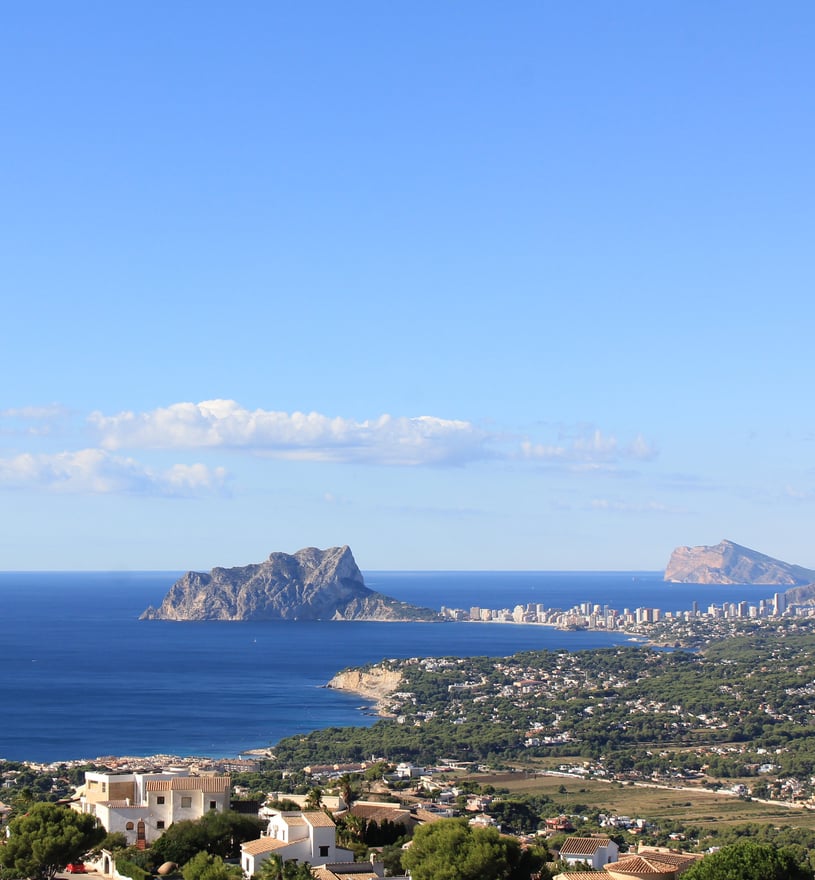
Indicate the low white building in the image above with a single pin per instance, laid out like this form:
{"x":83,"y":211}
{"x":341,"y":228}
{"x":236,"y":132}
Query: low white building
{"x":408,"y":771}
{"x":309,"y":836}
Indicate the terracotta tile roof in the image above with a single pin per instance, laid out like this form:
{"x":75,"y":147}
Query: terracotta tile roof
{"x":674,"y":858}
{"x":318,"y":819}
{"x":652,"y":863}
{"x":428,"y":816}
{"x":294,"y":821}
{"x":638,"y":865}
{"x":379,"y":812}
{"x":209,"y":784}
{"x":367,"y":875}
{"x":581,"y":875}
{"x":262,"y":845}
{"x":583,"y":846}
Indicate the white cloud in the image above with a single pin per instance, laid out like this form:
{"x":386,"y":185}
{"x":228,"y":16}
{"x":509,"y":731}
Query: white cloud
{"x":390,"y":440}
{"x":34,"y":413}
{"x":797,"y":494}
{"x":591,"y":448}
{"x":618,"y":506}
{"x":95,"y":471}
{"x":35,"y":420}
{"x":304,"y":436}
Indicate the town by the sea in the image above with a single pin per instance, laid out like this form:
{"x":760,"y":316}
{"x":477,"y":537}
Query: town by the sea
{"x":82,"y":677}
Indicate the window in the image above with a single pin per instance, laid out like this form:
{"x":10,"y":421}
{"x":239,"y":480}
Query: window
{"x":160,"y":823}
{"x":186,"y":801}
{"x":104,"y":786}
{"x":212,"y":805}
{"x":160,"y":799}
{"x":129,"y":826}
{"x":324,"y":851}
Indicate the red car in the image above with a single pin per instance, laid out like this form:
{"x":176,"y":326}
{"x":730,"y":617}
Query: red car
{"x":76,"y":868}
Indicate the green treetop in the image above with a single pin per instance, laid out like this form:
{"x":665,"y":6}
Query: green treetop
{"x":749,"y":860}
{"x":46,"y":839}
{"x":453,"y":850}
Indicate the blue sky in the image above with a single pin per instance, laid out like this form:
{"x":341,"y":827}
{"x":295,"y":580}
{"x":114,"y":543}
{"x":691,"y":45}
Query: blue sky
{"x":487,"y":286}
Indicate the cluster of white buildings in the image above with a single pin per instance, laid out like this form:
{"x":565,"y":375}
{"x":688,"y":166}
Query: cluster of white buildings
{"x":594,"y":616}
{"x":143,"y":806}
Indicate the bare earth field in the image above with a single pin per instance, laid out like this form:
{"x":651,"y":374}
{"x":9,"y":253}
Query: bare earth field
{"x":695,"y":807}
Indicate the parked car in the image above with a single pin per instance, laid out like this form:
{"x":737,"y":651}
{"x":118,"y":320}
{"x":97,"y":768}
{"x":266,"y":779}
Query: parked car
{"x":76,"y":868}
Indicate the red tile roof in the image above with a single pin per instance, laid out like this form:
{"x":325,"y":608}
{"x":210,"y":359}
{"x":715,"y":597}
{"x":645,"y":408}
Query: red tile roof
{"x":262,"y":845}
{"x":583,"y":846}
{"x":209,"y":784}
{"x":318,"y":819}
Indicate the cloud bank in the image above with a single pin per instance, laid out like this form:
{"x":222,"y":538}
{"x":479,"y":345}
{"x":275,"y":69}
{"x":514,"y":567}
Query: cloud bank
{"x":95,"y":471}
{"x":220,"y":426}
{"x":224,"y":424}
{"x":389,"y":440}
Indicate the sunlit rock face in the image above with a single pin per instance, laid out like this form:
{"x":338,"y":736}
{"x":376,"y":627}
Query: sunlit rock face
{"x":311,"y":584}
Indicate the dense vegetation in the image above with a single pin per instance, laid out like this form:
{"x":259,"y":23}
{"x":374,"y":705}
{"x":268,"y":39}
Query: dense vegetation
{"x":750,"y":860}
{"x":756,"y":691}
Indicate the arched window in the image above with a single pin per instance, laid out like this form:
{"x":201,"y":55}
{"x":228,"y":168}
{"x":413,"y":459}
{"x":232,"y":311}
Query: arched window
{"x":129,"y":826}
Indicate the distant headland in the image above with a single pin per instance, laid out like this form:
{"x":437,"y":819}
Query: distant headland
{"x":730,"y":563}
{"x":311,"y":584}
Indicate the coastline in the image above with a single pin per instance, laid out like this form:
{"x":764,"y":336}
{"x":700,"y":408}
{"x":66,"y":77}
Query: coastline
{"x":374,"y":683}
{"x":227,"y":676}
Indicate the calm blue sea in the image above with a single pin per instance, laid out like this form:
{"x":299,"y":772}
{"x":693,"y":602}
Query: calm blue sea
{"x":82,"y":677}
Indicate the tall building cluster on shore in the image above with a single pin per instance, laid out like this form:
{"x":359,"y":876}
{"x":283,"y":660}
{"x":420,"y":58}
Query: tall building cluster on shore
{"x":594,"y":616}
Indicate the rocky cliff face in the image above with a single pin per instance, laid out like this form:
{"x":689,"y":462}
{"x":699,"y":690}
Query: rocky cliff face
{"x":311,"y":584}
{"x":375,"y":682}
{"x":729,"y":563}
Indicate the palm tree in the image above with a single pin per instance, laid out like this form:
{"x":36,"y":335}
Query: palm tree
{"x":274,"y":868}
{"x":314,"y":799}
{"x":270,"y":869}
{"x":346,"y":790}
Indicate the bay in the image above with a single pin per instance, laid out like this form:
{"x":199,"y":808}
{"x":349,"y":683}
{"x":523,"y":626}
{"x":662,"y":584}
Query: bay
{"x":82,"y":677}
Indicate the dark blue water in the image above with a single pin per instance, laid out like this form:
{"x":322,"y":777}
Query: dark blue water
{"x":81,"y":676}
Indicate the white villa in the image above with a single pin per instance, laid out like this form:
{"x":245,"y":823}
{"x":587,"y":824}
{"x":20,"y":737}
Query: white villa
{"x":595,"y":851}
{"x":309,"y":836}
{"x":144,"y":805}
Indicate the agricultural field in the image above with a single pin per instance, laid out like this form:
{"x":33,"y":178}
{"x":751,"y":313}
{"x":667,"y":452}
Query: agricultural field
{"x":695,"y":806}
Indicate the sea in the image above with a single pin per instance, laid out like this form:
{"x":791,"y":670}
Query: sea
{"x":82,"y":677}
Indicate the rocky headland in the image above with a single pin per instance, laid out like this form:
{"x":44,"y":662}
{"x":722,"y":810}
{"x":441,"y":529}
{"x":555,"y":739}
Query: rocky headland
{"x":730,"y":563}
{"x":311,"y":584}
{"x":374,"y":683}
{"x":804,"y":595}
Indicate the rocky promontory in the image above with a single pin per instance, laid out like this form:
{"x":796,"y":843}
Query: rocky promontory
{"x":730,"y":563}
{"x":311,"y":584}
{"x":372,"y":682}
